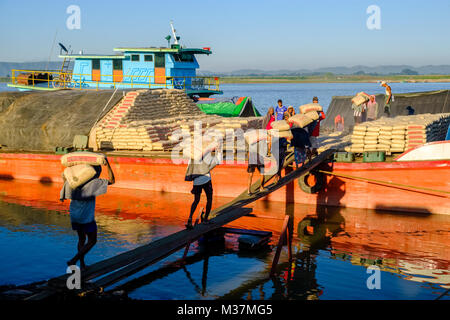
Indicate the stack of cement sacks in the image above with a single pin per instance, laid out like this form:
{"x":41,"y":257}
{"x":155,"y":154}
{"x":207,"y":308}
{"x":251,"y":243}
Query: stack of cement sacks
{"x":396,"y":135}
{"x":127,"y":138}
{"x":431,"y":128}
{"x":231,"y":130}
{"x":281,"y":129}
{"x":157,"y":120}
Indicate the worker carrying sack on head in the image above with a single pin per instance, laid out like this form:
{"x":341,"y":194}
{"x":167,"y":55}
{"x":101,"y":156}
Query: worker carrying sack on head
{"x":314,"y":129}
{"x":388,"y":98}
{"x":199,"y":172}
{"x":82,"y":184}
{"x":257,"y":149}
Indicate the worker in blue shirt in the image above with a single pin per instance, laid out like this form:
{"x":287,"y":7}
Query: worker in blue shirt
{"x":280,"y":110}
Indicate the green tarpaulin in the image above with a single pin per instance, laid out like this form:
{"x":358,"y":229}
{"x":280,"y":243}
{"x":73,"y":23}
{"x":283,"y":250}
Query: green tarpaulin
{"x":229,"y":109}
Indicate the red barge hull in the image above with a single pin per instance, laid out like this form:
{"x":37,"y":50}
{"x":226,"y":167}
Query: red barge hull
{"x":229,"y":180}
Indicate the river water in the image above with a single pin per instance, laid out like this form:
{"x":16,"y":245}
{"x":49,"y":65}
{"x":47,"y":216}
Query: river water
{"x":330,"y":262}
{"x":265,"y":95}
{"x":296,"y":94}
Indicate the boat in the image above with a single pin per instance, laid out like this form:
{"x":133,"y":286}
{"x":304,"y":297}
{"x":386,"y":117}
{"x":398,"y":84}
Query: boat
{"x":419,"y":186}
{"x":172,"y":67}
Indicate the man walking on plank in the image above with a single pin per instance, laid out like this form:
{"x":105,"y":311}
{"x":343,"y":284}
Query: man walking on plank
{"x":200,"y":174}
{"x":82,"y":210}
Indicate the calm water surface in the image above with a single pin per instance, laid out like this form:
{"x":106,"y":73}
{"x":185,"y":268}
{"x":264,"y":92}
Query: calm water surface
{"x":265,"y":95}
{"x":296,"y":94}
{"x":330,"y":262}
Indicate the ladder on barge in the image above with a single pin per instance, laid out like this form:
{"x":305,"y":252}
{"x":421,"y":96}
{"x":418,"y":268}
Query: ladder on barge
{"x":109,"y":271}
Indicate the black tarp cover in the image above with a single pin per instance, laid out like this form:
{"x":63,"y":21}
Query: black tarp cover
{"x":421,"y":102}
{"x":41,"y":121}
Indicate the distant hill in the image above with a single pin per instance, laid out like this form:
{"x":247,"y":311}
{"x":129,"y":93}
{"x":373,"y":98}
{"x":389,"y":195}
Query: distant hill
{"x":5,"y":69}
{"x":378,"y":70}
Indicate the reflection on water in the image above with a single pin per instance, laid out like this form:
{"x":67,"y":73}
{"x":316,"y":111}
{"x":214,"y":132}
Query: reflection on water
{"x":331,"y":248}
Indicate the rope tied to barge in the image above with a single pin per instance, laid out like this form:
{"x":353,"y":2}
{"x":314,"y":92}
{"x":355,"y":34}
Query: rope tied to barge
{"x":389,"y":183}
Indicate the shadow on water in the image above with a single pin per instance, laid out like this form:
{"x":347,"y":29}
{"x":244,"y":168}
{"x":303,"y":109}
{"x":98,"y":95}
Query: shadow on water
{"x":46,"y":180}
{"x":203,"y":254}
{"x":314,"y":233}
{"x":403,"y":211}
{"x":6,"y":177}
{"x":296,"y":278}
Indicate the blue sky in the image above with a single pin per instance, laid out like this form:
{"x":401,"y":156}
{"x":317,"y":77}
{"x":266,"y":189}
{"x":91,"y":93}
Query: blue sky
{"x":249,"y":34}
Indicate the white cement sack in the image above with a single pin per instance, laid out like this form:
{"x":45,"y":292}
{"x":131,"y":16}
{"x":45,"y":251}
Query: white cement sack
{"x":76,"y":158}
{"x":310,"y":107}
{"x":79,"y":174}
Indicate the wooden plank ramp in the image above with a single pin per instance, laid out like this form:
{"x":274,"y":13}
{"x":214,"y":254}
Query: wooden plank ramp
{"x":125,"y":264}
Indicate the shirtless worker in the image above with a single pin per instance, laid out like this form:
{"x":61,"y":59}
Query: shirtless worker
{"x":387,"y":99}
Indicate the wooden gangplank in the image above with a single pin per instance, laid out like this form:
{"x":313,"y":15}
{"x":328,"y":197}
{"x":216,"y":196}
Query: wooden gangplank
{"x":244,"y":198}
{"x":125,"y":264}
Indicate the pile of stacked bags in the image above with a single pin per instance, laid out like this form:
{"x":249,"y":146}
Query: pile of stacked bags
{"x":308,"y":113}
{"x":396,"y":135}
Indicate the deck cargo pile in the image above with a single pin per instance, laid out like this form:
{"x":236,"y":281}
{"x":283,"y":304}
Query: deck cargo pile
{"x":157,"y":120}
{"x":396,"y":135}
{"x":41,"y":121}
{"x":422,"y":102}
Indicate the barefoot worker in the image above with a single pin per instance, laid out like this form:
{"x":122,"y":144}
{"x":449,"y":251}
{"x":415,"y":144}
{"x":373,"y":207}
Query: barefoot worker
{"x":280,"y":144}
{"x":314,"y":134}
{"x":199,"y":172}
{"x":256,"y":161}
{"x":372,"y":108}
{"x":300,"y":142}
{"x":387,"y":99}
{"x":82,"y":210}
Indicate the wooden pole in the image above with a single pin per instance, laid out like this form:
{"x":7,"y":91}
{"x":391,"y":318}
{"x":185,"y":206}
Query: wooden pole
{"x":280,"y":245}
{"x":289,"y":242}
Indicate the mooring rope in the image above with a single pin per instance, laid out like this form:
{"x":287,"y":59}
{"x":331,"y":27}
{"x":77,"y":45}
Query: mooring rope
{"x":101,"y":112}
{"x":384,"y":182}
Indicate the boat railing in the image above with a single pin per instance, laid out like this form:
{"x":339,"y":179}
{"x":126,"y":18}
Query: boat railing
{"x":44,"y":79}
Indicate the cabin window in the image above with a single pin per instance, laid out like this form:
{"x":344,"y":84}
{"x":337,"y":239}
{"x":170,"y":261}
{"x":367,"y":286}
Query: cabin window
{"x":117,"y":64}
{"x":183,"y":57}
{"x":148,"y":57}
{"x":95,"y":64}
{"x":134,"y":57}
{"x":160,"y":60}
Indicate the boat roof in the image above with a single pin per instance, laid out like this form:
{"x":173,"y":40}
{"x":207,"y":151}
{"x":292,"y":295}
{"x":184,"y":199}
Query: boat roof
{"x":92,"y":56}
{"x":149,"y":49}
{"x":174,"y":50}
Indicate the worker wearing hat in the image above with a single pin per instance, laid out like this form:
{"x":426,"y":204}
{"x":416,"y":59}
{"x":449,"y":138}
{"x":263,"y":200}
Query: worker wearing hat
{"x":387,"y":99}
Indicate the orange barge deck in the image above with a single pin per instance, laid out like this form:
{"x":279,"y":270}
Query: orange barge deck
{"x":229,"y":180}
